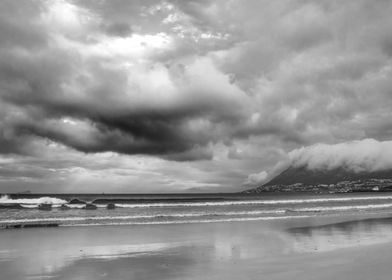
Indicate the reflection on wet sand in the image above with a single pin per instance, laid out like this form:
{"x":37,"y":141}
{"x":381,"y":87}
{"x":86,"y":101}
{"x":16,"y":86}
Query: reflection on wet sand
{"x":341,"y":235}
{"x":147,"y":261}
{"x":153,"y":252}
{"x":191,"y":251}
{"x":166,"y":263}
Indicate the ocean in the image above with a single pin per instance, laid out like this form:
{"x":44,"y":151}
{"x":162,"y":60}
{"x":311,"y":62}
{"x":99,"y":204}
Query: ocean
{"x":177,"y":209}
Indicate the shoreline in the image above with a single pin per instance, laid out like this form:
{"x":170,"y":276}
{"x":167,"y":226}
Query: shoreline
{"x":341,"y":218}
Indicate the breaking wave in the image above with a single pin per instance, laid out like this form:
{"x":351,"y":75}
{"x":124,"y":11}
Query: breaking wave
{"x":344,"y":208}
{"x":253,"y":202}
{"x":29,"y":201}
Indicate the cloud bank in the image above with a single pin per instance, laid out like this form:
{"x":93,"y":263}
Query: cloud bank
{"x":367,"y":155}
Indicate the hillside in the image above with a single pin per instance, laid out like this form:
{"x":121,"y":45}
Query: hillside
{"x":335,"y":180}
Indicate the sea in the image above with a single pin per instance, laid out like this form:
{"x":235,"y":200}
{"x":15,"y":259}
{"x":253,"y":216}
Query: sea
{"x":69,"y":209}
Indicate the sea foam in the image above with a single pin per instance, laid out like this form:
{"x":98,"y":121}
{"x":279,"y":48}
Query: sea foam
{"x":41,"y":200}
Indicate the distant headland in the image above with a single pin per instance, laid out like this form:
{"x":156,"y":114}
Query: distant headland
{"x":338,"y":180}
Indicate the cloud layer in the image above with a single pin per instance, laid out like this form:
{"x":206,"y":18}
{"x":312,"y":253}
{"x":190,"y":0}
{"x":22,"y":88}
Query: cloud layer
{"x":367,"y":155}
{"x":225,"y":87}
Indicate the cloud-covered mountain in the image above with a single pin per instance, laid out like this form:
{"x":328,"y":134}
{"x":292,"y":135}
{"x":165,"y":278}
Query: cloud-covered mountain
{"x":306,"y":176}
{"x":330,"y":164}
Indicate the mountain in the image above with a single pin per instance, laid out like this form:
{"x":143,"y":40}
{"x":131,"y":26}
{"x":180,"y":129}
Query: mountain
{"x":335,"y":180}
{"x":305,"y":176}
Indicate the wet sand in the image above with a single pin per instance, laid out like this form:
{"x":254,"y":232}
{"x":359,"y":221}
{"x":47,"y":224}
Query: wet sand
{"x":352,"y":247}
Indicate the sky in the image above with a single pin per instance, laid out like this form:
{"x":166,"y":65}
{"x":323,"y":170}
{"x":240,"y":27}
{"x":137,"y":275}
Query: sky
{"x":187,"y":96}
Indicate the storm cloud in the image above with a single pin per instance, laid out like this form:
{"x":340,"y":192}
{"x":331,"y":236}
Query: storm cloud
{"x":218,"y":89}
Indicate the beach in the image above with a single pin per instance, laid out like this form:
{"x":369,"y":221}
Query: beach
{"x":329,"y":247}
{"x":195,"y":140}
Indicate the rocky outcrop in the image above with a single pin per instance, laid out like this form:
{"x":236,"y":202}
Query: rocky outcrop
{"x":10,"y":206}
{"x":90,"y":206}
{"x":28,"y":225}
{"x":110,"y":206}
{"x":64,"y":207}
{"x":76,"y":201}
{"x":45,"y":206}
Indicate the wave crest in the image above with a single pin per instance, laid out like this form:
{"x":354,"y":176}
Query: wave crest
{"x":42,"y":200}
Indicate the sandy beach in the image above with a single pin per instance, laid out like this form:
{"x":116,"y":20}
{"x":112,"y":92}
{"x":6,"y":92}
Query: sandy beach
{"x":351,"y":247}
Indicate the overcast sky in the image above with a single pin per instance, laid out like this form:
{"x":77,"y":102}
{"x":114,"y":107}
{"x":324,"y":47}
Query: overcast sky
{"x":195,"y":95}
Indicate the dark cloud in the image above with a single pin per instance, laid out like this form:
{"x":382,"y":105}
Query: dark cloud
{"x":118,"y":29}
